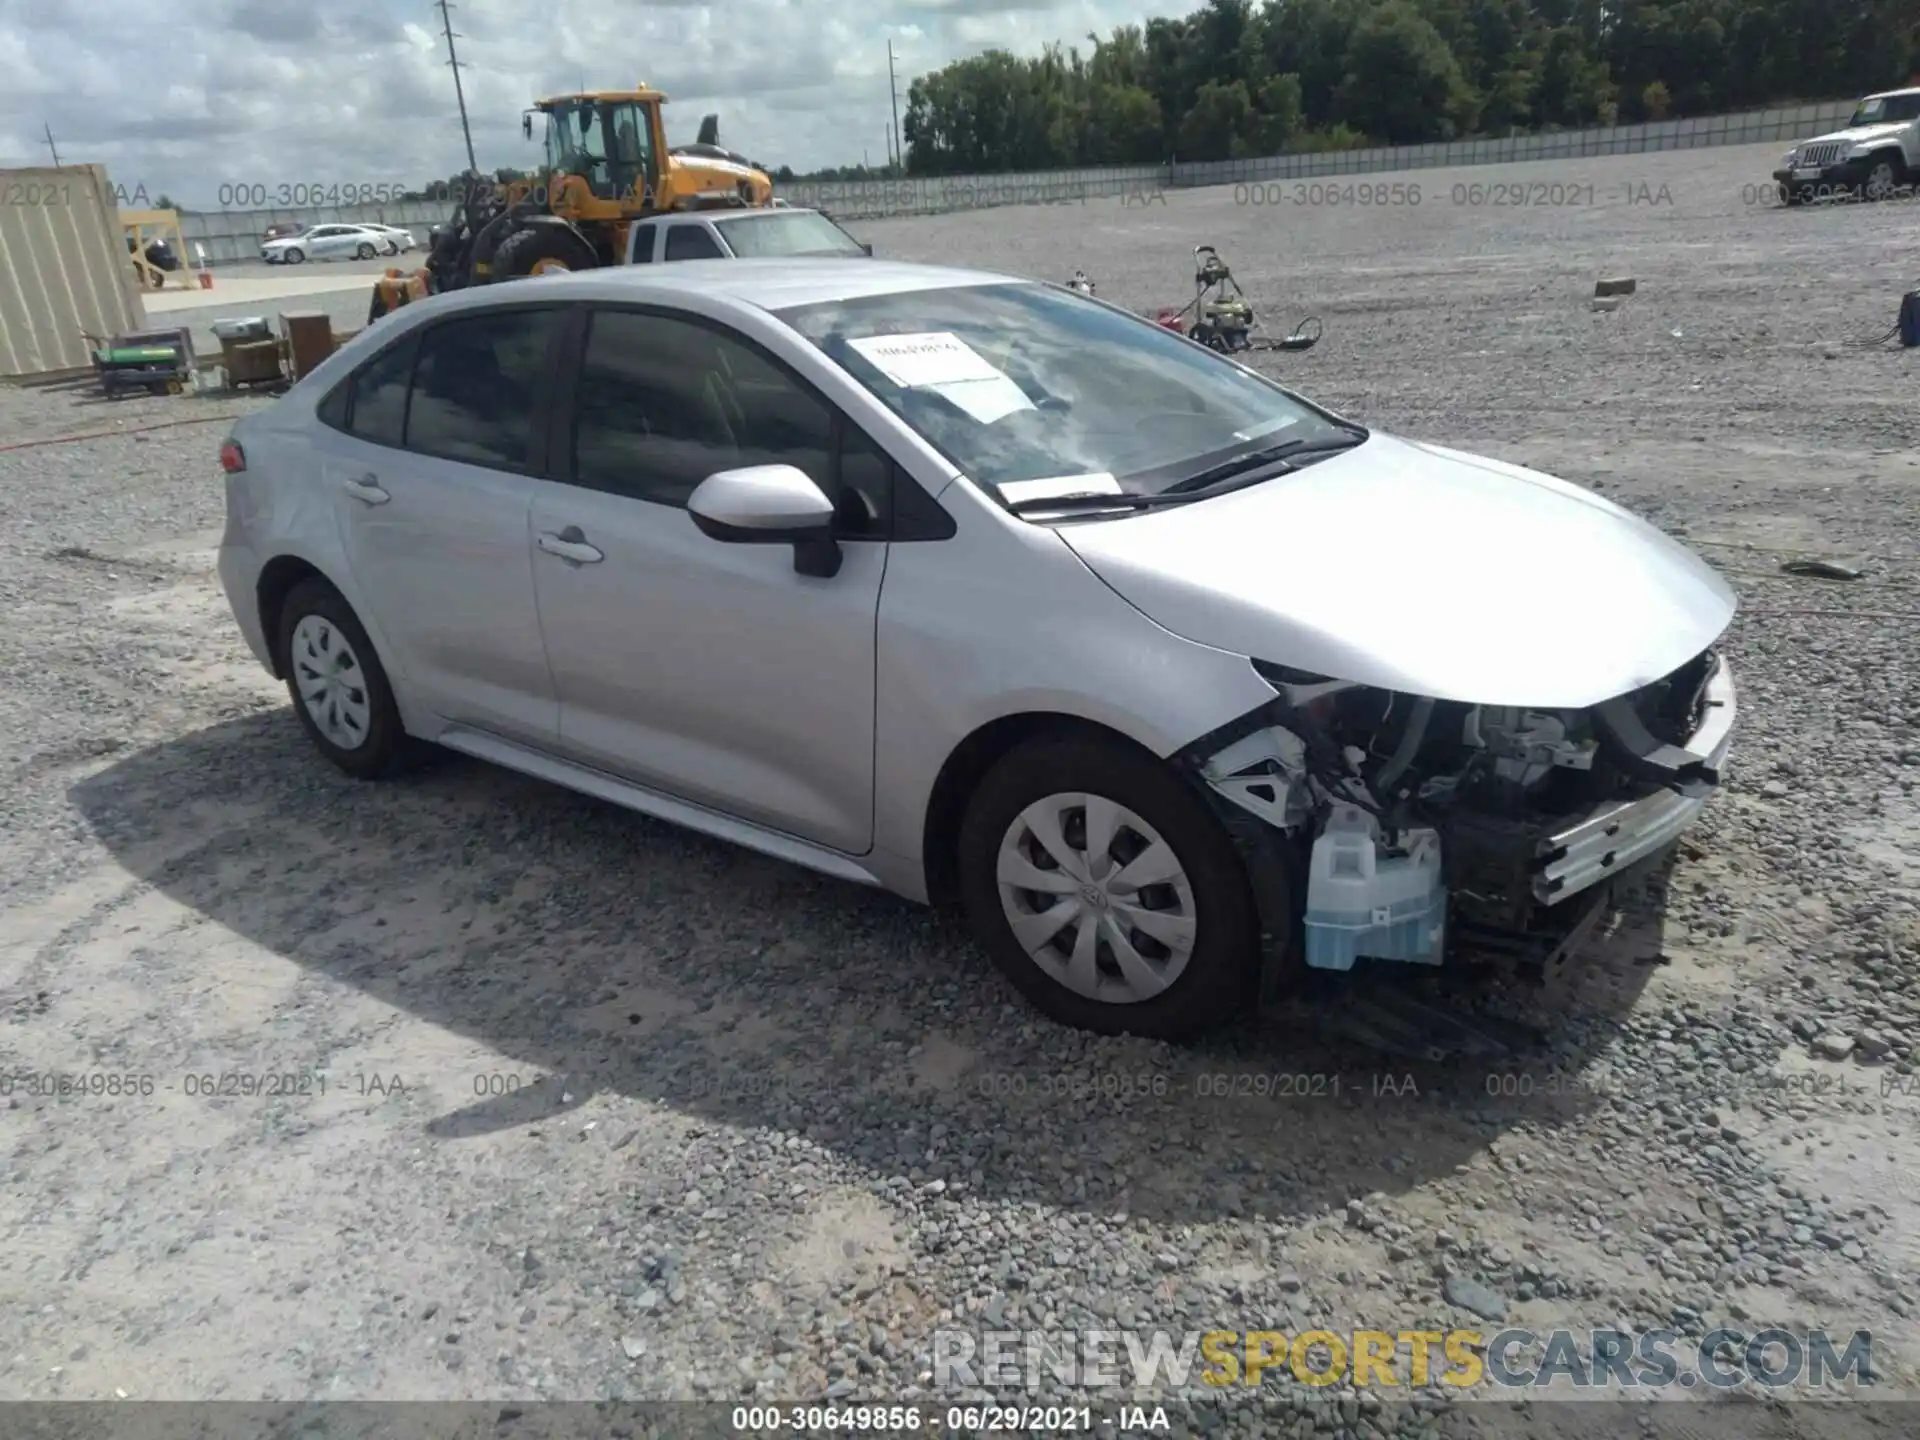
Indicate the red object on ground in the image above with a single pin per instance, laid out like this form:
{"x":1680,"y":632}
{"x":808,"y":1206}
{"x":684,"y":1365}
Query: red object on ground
{"x":206,"y":280}
{"x":1170,"y":319}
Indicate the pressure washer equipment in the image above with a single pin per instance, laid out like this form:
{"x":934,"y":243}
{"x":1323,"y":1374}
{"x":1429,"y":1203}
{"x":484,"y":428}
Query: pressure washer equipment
{"x":1905,"y":328}
{"x":1222,"y":318}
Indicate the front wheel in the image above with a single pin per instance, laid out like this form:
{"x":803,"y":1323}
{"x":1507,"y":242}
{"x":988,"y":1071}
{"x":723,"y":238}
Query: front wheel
{"x":1882,"y":182}
{"x":1106,"y":891}
{"x":541,"y":250}
{"x":294,"y":257}
{"x":363,"y":251}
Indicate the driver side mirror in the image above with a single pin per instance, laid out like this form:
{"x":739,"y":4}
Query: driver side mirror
{"x":769,"y":505}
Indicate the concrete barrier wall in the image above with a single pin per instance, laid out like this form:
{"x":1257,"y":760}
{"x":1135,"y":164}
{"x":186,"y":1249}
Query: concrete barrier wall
{"x":1781,"y":126}
{"x":231,"y":235}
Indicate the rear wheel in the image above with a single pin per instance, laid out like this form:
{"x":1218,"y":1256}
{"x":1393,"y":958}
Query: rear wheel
{"x":542,"y":250}
{"x":1105,"y":890}
{"x":338,"y":685}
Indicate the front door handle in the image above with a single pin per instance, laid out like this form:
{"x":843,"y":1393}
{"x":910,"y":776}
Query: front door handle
{"x":570,"y":544}
{"x":367,"y":490}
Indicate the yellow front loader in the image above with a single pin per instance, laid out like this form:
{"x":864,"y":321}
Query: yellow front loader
{"x":608,"y":164}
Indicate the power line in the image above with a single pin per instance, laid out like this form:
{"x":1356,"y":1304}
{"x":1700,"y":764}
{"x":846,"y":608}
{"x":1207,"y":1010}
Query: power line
{"x":50,"y":146}
{"x":460,"y":94}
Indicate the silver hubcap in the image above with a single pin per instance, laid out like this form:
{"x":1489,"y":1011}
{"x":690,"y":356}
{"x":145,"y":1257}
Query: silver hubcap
{"x":327,"y":674}
{"x":1880,"y":182}
{"x":1097,"y":898}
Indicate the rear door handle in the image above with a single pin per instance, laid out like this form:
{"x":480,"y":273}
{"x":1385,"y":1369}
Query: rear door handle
{"x":367,"y":490}
{"x":570,"y":544}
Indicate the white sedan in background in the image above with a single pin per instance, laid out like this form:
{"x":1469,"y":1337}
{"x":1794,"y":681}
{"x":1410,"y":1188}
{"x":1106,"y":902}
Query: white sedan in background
{"x":403,"y":240}
{"x":329,"y":242}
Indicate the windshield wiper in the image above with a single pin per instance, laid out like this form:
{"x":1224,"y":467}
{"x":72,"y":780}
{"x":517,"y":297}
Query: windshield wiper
{"x":1086,"y":501}
{"x":1258,"y":459}
{"x":1197,"y":487}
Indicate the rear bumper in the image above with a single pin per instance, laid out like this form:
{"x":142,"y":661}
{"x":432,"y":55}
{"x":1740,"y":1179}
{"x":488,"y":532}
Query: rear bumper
{"x":239,"y":577}
{"x":1617,"y":836}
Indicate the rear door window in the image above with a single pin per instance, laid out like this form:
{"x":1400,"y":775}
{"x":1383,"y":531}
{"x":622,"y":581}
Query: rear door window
{"x":379,"y":413}
{"x":479,"y":388}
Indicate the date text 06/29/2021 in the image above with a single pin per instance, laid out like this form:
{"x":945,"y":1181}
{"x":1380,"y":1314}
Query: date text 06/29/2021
{"x":1010,"y":1418}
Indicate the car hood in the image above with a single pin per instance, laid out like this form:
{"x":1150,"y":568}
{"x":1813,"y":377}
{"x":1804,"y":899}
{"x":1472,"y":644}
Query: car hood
{"x":1858,"y":135}
{"x":1423,"y":570}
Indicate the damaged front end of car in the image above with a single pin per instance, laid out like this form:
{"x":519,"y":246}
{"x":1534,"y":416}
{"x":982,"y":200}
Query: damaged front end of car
{"x":1402,"y":828}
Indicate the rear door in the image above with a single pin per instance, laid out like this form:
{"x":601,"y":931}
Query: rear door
{"x":433,"y":475}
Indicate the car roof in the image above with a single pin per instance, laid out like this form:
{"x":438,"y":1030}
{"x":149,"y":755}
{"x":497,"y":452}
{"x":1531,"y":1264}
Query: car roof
{"x":1892,"y":94}
{"x":764,"y":284}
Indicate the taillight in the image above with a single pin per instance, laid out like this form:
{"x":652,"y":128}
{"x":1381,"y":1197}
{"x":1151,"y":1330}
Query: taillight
{"x":232,"y":458}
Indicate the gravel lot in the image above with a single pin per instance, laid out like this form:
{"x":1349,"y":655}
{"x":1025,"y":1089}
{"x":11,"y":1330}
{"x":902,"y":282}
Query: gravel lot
{"x":615,"y":1111}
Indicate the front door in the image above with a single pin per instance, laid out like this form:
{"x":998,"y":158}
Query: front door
{"x":709,"y":671}
{"x":433,"y":486}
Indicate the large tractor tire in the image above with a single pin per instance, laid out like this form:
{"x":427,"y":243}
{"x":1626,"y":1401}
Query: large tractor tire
{"x":542,"y":250}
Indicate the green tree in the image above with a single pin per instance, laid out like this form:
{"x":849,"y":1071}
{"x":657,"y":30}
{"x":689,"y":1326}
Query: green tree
{"x":1220,"y":119}
{"x":1235,"y":77}
{"x":1403,"y":84}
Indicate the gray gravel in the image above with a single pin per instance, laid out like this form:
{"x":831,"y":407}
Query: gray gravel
{"x":614,"y":1111}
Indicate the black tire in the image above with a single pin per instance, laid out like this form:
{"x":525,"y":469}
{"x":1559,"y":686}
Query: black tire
{"x":521,"y":252}
{"x":385,"y":746}
{"x":363,"y":251}
{"x":1883,"y":180}
{"x":295,"y":256}
{"x":1218,"y":980}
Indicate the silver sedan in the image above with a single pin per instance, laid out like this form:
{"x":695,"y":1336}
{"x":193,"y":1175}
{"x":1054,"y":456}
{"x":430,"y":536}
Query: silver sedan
{"x":987,"y":593}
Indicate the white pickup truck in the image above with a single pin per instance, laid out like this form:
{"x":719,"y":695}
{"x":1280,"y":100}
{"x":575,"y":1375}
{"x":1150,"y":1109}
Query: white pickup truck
{"x":1875,"y":158}
{"x":777,"y":232}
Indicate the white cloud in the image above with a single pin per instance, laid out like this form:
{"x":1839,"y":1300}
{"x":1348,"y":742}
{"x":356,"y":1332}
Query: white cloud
{"x":274,"y":92}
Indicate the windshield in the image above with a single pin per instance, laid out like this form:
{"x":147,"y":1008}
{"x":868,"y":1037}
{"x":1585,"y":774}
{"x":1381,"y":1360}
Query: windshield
{"x":1886,"y":110}
{"x":1021,"y":383}
{"x":794,"y":232}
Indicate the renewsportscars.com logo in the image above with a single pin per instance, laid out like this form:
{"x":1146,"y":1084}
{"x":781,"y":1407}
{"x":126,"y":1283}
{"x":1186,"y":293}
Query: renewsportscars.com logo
{"x":1513,"y":1359}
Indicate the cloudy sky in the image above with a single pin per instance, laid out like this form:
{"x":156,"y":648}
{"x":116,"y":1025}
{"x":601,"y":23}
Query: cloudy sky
{"x":185,"y":97}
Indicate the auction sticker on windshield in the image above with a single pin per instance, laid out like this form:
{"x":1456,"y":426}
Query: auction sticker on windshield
{"x":942,"y":362}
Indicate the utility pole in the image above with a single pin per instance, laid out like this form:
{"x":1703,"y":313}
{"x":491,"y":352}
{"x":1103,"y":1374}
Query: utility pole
{"x":460,"y":94}
{"x":893,"y":90}
{"x":50,"y":146}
